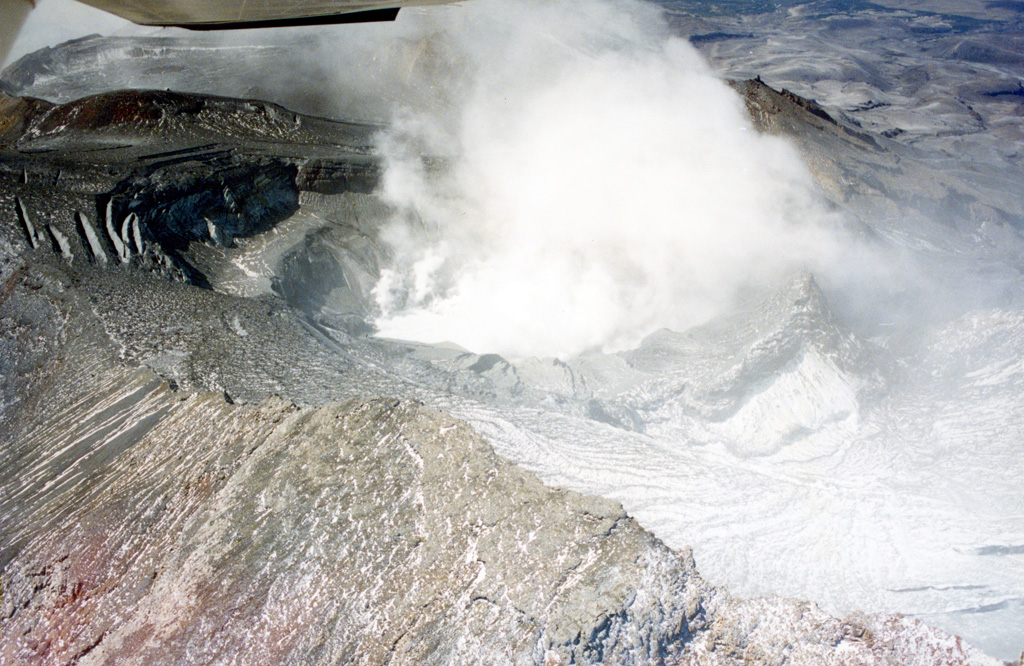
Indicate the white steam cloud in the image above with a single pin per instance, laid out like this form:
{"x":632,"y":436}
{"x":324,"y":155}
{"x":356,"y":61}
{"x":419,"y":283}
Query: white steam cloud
{"x":602,"y":183}
{"x":566,"y":175}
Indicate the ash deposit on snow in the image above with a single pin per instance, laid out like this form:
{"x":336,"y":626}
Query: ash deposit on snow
{"x":750,"y":269}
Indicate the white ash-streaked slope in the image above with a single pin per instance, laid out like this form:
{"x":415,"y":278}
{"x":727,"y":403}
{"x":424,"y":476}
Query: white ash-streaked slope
{"x":145,"y":525}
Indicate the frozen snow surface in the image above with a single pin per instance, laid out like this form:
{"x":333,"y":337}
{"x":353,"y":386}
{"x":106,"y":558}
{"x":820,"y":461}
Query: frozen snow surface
{"x":815,"y":479}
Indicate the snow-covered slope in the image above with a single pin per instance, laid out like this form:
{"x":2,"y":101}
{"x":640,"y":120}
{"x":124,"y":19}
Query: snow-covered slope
{"x":799,"y":460}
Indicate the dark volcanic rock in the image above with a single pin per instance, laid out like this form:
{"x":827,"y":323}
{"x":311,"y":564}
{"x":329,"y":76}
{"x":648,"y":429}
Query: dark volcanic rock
{"x":164,"y":117}
{"x":216,"y":204}
{"x":190,"y":168}
{"x":875,"y":176}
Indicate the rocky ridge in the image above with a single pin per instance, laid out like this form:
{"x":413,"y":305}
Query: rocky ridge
{"x":147,"y":525}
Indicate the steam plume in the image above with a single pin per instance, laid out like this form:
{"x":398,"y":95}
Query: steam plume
{"x":602,"y":183}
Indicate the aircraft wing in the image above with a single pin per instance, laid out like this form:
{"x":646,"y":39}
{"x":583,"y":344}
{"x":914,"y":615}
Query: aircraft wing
{"x":235,"y":14}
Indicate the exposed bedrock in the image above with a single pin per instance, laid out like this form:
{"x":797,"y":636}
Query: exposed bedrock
{"x":377,"y":532}
{"x":140,"y":525}
{"x":214,"y":204}
{"x":873,"y":175}
{"x":153,"y":179}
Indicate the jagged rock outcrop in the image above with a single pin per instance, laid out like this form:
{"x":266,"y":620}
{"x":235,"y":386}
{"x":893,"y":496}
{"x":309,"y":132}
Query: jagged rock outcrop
{"x":871,"y":174}
{"x":167,"y":171}
{"x":193,"y":531}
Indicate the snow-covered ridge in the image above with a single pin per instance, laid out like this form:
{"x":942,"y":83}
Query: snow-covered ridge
{"x":758,"y":379}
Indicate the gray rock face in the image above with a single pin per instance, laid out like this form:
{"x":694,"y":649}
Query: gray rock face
{"x":375,"y":532}
{"x":146,"y":526}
